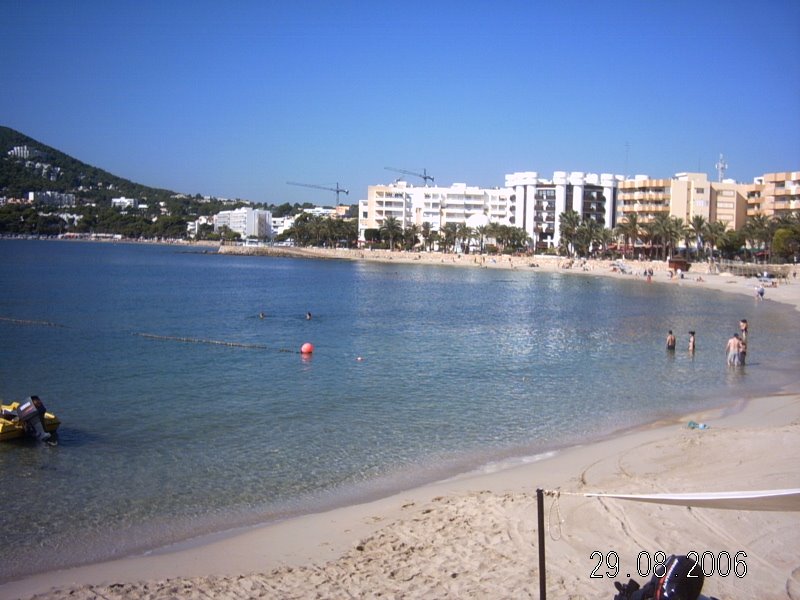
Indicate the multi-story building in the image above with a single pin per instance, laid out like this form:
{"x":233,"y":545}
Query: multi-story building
{"x":24,"y":152}
{"x":774,"y":194}
{"x":684,"y":196}
{"x":122,"y":203}
{"x":527,"y":201}
{"x":536,"y":204}
{"x":52,"y":198}
{"x":247,"y":222}
{"x":435,"y":205}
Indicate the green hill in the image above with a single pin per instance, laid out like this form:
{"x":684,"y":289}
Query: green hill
{"x":48,"y":169}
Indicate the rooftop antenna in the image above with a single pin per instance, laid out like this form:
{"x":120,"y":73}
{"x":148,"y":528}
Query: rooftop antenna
{"x":721,"y":167}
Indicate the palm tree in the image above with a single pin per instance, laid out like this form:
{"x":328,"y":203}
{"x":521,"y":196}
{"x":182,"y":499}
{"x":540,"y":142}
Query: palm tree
{"x":493,"y":232}
{"x":569,"y":221}
{"x":391,"y":229}
{"x":434,"y":238}
{"x":760,"y":227}
{"x":662,"y":231}
{"x":465,"y":234}
{"x":518,"y":238}
{"x":605,"y":238}
{"x":629,"y":230}
{"x":648,"y":235}
{"x":427,"y":230}
{"x":346,"y":230}
{"x":714,"y":233}
{"x":449,"y":233}
{"x":587,"y":233}
{"x":697,"y":230}
{"x":411,"y":236}
{"x":482,"y":231}
{"x":502,"y":235}
{"x":681,"y":231}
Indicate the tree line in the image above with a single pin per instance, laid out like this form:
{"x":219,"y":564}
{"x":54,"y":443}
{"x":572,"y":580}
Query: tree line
{"x":769,"y":238}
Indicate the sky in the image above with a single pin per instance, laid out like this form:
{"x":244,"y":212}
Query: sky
{"x":235,"y":99}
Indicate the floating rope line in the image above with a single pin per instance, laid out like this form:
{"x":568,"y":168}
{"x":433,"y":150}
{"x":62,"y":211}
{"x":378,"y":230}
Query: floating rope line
{"x":30,"y":322}
{"x":188,"y":340}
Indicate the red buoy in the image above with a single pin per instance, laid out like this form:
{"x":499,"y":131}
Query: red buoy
{"x":306,"y":348}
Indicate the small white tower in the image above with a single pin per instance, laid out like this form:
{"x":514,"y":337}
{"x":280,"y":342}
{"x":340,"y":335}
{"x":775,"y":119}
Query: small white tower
{"x":721,"y":167}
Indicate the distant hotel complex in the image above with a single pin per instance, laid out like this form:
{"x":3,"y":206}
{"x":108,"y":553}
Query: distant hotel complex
{"x":534,"y":204}
{"x":526,"y":201}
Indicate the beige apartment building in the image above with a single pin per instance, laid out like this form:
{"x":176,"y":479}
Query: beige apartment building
{"x":774,"y":194}
{"x":684,"y":196}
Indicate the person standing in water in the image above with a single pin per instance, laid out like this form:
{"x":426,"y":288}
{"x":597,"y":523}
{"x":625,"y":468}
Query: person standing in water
{"x":670,"y":341}
{"x":691,"y":342}
{"x":732,"y":350}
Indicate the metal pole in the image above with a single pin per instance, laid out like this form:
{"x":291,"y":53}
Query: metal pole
{"x":542,"y":574}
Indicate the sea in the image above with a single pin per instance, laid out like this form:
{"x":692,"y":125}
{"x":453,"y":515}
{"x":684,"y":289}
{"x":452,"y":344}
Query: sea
{"x":187,"y":408}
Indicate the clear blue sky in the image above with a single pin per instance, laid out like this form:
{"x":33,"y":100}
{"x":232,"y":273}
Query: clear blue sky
{"x":235,"y":99}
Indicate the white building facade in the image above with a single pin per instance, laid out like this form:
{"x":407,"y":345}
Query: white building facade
{"x":247,"y":222}
{"x":527,"y":201}
{"x":122,"y":202}
{"x":537,"y":202}
{"x":436,"y":205}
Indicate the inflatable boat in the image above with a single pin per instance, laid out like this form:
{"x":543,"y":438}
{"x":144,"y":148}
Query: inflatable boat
{"x":28,"y":418}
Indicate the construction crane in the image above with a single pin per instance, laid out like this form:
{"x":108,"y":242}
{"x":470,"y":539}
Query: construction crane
{"x":337,"y":189}
{"x":424,"y":175}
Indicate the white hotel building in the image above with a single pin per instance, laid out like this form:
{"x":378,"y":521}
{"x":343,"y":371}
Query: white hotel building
{"x":247,"y":222}
{"x":526,"y":201}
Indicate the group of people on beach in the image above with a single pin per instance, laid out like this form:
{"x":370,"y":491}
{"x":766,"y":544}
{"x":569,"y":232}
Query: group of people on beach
{"x":736,"y":348}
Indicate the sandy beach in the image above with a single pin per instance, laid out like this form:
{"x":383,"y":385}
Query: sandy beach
{"x":475,"y":536}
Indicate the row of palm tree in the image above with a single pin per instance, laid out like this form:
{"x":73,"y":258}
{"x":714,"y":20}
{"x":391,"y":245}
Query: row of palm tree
{"x":662,"y":235}
{"x":314,"y":230}
{"x":452,"y":236}
{"x":664,"y":232}
{"x":659,"y":237}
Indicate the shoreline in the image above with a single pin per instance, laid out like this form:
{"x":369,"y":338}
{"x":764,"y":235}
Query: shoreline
{"x":784,"y":291}
{"x":319,"y":553}
{"x":305,"y":555}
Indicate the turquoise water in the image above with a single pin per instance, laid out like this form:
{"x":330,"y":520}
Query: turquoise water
{"x":164,"y":439}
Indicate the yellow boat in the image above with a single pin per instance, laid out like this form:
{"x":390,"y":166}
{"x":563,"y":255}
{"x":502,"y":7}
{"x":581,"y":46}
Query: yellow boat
{"x":29,"y":417}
